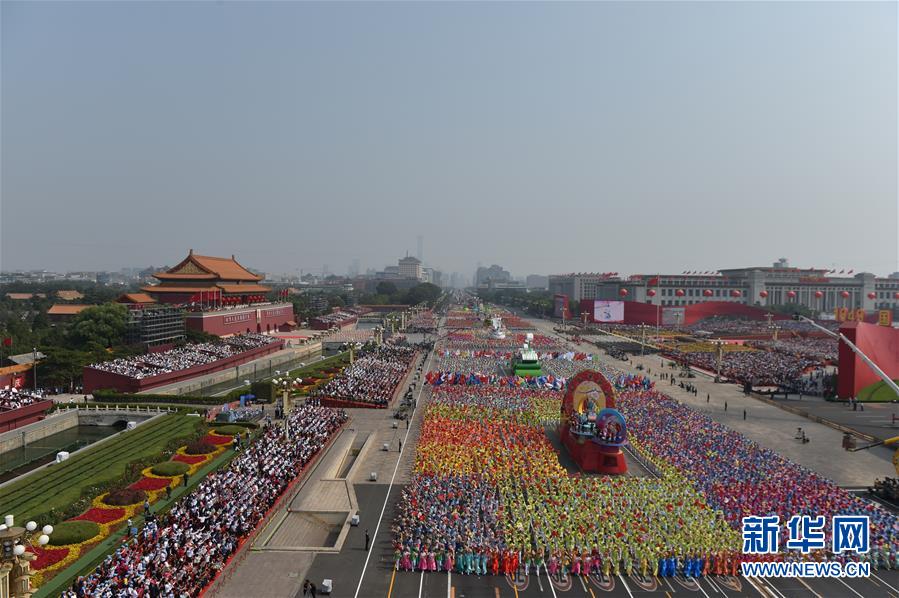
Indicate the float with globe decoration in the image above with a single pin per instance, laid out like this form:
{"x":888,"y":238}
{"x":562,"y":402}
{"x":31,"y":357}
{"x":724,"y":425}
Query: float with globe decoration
{"x":591,"y":429}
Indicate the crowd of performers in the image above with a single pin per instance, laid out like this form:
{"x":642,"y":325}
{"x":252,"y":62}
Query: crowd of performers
{"x":182,"y":553}
{"x":739,"y":478}
{"x":488,"y":494}
{"x":373,"y":378}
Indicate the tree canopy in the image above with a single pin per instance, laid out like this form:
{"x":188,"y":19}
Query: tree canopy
{"x":101,"y":325}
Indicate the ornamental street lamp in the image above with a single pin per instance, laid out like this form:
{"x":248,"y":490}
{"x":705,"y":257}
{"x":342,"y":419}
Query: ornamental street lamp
{"x":719,"y":350}
{"x":282,"y":384}
{"x":15,"y":560}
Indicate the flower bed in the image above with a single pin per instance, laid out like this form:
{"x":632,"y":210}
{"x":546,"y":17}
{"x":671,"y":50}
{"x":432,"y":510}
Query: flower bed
{"x":47,"y":557}
{"x":151,"y":484}
{"x":216,"y":439}
{"x":109,"y":516}
{"x":103,"y":515}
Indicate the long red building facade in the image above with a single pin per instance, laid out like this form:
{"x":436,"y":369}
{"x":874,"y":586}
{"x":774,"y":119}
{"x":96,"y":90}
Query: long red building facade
{"x":95,"y":379}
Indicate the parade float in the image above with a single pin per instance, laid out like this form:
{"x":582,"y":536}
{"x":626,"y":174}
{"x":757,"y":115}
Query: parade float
{"x":592,"y":430}
{"x":525,"y":362}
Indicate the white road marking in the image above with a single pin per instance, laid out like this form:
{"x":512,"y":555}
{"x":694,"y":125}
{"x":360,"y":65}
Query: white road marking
{"x":883,"y":582}
{"x":625,"y":586}
{"x":757,"y":588}
{"x":549,"y":580}
{"x":769,"y":585}
{"x":449,"y":592}
{"x":699,"y":585}
{"x":421,"y":583}
{"x":850,"y":587}
{"x":809,"y":587}
{"x":392,"y":478}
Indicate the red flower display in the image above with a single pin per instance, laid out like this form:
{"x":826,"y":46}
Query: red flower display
{"x":151,"y":483}
{"x":102,"y":515}
{"x":47,"y":556}
{"x":213,"y":439}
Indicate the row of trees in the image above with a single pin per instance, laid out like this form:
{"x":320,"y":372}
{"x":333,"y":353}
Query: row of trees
{"x":387,"y":293}
{"x":96,"y":334}
{"x":534,"y":302}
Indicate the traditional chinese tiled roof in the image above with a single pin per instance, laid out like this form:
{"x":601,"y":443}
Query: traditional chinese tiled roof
{"x":205,"y":267}
{"x":66,"y":310}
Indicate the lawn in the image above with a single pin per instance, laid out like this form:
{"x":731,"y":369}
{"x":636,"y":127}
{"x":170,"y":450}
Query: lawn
{"x":339,"y":360}
{"x":878,"y":392}
{"x":59,"y":486}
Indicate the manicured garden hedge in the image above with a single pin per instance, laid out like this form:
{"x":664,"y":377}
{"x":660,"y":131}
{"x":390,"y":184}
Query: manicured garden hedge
{"x":73,"y":532}
{"x":170,"y":468}
{"x":231,"y":429}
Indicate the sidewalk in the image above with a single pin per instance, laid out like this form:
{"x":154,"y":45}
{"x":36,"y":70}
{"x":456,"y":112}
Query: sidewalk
{"x":874,"y":420}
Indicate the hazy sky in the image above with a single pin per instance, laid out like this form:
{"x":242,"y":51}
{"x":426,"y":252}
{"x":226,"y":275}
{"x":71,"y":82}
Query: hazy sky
{"x":635,"y":137}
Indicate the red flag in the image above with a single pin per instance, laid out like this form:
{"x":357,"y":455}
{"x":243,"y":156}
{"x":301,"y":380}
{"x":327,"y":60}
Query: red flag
{"x":7,"y":342}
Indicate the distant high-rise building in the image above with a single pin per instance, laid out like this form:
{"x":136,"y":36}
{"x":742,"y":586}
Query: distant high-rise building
{"x":494,"y":273}
{"x":537,"y":281}
{"x":432,"y":276}
{"x":410,"y":267}
{"x":354,"y":268}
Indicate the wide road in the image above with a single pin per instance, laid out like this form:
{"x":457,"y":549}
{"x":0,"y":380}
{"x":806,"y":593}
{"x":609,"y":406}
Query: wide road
{"x":380,"y":580}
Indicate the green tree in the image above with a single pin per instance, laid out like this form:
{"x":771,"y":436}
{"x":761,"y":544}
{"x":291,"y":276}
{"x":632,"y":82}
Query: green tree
{"x":102,"y":325}
{"x":385,"y":287}
{"x":424,"y":292}
{"x":62,"y":367}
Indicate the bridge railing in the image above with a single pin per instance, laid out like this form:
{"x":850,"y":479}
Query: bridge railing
{"x":114,"y":408}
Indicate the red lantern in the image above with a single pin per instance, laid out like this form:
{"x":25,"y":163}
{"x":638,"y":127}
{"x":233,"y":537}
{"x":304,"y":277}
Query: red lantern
{"x":707,"y":293}
{"x":844,"y":294}
{"x":651,"y":293}
{"x":735,"y":293}
{"x":763,"y":294}
{"x":791,"y":294}
{"x":872,"y":295}
{"x":819,"y":294}
{"x":679,"y":293}
{"x":623,"y":292}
